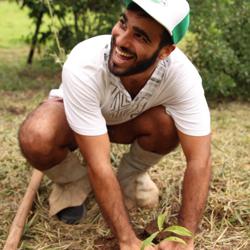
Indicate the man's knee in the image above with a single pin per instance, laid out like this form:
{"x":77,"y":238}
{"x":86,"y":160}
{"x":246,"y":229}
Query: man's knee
{"x":154,"y":130}
{"x":45,"y":136}
{"x":161,"y":134}
{"x":35,"y":139}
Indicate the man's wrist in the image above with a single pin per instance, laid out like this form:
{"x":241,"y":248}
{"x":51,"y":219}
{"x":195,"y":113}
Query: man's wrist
{"x":128,"y":240}
{"x":190,"y":225}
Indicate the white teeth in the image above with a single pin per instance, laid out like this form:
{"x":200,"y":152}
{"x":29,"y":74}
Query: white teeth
{"x":122,"y":53}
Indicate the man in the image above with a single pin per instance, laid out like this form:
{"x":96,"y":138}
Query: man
{"x":133,"y":88}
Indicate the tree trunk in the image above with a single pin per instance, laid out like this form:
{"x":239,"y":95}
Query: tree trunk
{"x":35,"y":37}
{"x":76,"y":24}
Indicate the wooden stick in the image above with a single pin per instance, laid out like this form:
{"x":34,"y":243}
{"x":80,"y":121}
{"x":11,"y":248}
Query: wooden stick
{"x":16,"y":229}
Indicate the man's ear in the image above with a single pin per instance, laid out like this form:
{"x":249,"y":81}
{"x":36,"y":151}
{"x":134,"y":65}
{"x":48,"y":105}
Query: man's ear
{"x":166,"y":51}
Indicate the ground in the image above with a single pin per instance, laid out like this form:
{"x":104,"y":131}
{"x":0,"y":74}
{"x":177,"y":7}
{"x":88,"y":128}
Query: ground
{"x":226,"y":221}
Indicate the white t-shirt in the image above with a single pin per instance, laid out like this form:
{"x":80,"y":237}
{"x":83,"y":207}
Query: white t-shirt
{"x":94,"y":98}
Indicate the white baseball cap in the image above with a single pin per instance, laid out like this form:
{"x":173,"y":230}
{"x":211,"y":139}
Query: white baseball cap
{"x":172,"y":14}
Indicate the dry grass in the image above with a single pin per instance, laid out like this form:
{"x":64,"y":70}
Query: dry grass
{"x":227,"y":217}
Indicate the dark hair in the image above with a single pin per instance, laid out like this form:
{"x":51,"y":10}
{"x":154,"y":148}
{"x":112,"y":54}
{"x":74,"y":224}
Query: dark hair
{"x":166,"y":37}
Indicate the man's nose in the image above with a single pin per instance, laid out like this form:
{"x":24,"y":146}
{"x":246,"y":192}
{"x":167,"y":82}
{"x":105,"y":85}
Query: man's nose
{"x":124,"y":39}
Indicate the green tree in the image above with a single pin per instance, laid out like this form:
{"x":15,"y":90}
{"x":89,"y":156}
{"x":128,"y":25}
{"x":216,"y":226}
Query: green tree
{"x":220,"y":46}
{"x":37,"y":10}
{"x":74,"y":20}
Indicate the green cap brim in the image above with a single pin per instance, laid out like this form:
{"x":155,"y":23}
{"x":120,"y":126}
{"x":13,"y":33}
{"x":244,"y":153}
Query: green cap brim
{"x":180,"y":29}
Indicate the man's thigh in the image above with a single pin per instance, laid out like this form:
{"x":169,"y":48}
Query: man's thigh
{"x":154,"y":130}
{"x":48,"y":121}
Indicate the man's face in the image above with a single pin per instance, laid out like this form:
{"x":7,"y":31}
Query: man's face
{"x":135,"y":44}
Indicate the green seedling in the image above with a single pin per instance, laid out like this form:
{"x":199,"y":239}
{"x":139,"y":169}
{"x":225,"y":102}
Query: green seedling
{"x":178,"y":230}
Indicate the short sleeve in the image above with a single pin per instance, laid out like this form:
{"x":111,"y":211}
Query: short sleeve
{"x":190,"y":113}
{"x":82,"y":104}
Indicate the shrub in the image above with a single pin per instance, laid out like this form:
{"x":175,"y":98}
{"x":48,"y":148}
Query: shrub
{"x":73,"y":21}
{"x":220,"y":49}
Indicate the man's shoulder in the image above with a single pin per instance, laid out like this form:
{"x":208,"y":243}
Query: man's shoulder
{"x":90,"y":51}
{"x":182,"y":65}
{"x":93,"y":43}
{"x":181,"y":77}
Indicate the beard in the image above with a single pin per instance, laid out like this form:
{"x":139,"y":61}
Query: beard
{"x":137,"y":68}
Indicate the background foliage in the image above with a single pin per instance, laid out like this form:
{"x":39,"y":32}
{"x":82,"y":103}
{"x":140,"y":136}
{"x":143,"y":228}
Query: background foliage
{"x":221,"y":48}
{"x":75,"y":20}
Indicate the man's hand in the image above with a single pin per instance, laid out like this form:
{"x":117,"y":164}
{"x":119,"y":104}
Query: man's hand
{"x":136,"y":245}
{"x":169,"y":245}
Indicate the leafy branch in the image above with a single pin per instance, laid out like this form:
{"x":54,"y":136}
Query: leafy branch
{"x":177,"y":230}
{"x":61,"y":57}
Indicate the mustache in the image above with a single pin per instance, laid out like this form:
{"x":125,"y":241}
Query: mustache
{"x":123,"y":49}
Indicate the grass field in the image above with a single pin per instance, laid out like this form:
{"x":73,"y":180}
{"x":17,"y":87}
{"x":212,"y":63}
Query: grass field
{"x":14,"y":73}
{"x":15,"y":25}
{"x":226,"y":223}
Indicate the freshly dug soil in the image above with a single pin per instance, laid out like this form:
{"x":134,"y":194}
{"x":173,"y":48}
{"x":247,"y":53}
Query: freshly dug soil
{"x":110,"y":243}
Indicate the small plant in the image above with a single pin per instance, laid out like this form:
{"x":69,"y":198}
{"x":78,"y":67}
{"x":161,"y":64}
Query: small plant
{"x":178,"y":230}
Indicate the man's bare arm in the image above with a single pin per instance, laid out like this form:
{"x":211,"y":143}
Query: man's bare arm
{"x":95,"y":150}
{"x":196,"y":179}
{"x":195,"y":186}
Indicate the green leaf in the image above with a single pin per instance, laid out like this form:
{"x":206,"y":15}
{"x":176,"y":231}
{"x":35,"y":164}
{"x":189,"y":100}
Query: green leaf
{"x":148,"y":241}
{"x":176,"y":239}
{"x":160,"y":221}
{"x":179,"y":230}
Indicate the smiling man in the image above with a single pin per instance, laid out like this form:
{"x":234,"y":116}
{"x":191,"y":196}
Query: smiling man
{"x":133,"y":87}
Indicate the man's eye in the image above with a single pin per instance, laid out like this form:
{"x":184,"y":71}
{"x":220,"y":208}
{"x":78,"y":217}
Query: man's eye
{"x":122,"y":23}
{"x":141,"y":37}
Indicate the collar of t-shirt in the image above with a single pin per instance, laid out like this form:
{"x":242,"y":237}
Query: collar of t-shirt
{"x":151,"y":85}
